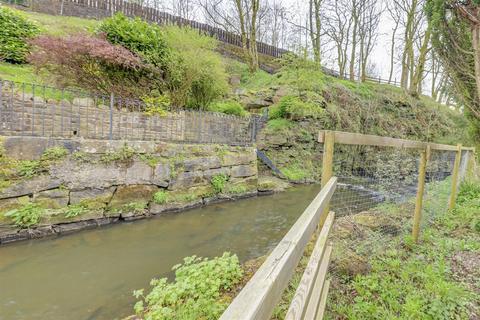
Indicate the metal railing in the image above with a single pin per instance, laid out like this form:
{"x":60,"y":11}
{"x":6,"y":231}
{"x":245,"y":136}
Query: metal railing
{"x":37,"y":110}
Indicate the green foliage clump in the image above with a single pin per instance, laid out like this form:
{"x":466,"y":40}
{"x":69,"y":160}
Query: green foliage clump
{"x":31,"y":168}
{"x":26,"y":216}
{"x":156,"y":105}
{"x":295,"y":173}
{"x":219,"y":182}
{"x":125,"y":153}
{"x":279,"y":124}
{"x":228,"y":107}
{"x":192,"y":74}
{"x":196,"y":292}
{"x":16,"y":31}
{"x":160,"y":197}
{"x":469,"y":191}
{"x":292,"y":107}
{"x":54,"y":154}
{"x":75,"y":210}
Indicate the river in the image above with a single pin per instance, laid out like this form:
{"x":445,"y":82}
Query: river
{"x":91,"y":274}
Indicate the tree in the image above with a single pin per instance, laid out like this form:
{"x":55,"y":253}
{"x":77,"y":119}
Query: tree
{"x":315,"y":28}
{"x":240,"y":16}
{"x":455,"y":29}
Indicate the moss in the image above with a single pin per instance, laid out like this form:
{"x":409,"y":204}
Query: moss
{"x":295,"y":173}
{"x":150,"y":159}
{"x":124,"y":154}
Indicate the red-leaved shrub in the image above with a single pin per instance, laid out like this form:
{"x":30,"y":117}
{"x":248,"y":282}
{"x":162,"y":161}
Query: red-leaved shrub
{"x":95,"y":64}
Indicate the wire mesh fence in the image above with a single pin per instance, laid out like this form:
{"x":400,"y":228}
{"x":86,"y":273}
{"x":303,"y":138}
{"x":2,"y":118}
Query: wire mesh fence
{"x":34,"y":110}
{"x":375,"y":203}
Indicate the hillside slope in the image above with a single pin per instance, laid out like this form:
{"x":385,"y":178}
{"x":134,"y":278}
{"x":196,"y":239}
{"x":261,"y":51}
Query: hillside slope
{"x":300,"y":100}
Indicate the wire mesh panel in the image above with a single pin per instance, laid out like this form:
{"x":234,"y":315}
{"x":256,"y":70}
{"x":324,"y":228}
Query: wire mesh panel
{"x":438,"y":186}
{"x":374,"y":203}
{"x":32,"y":110}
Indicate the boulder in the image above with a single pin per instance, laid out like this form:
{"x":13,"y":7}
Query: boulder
{"x":235,"y":80}
{"x":371,"y":221}
{"x":349,"y":263}
{"x":272,"y":184}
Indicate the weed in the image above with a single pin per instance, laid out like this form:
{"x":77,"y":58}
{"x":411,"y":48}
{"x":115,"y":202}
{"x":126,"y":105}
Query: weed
{"x":237,"y":189}
{"x":280,"y":124}
{"x":27,"y":216}
{"x":74,"y":210}
{"x":219,"y":182}
{"x":30,"y":168}
{"x":295,"y":173}
{"x":125,"y":153}
{"x":54,"y":154}
{"x":195,"y":293}
{"x":149,"y":159}
{"x":81,"y":157}
{"x":160,"y":197}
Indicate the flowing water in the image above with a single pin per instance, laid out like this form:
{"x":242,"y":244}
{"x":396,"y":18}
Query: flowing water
{"x":91,"y":274}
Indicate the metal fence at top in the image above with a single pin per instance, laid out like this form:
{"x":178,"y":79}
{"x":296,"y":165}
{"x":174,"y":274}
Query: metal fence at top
{"x":34,"y":110}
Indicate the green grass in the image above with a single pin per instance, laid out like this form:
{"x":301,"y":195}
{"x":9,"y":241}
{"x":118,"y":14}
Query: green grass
{"x":415,"y":281}
{"x":61,"y":25}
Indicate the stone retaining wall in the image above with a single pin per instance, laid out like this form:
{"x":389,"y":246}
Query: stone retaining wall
{"x":117,"y":180}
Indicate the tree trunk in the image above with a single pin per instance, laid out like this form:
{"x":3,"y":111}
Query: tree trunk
{"x":416,"y":80}
{"x":476,"y":51}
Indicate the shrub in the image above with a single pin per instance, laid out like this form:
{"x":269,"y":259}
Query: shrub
{"x":160,"y":197}
{"x":16,"y":30}
{"x":93,"y":63}
{"x":144,"y":39}
{"x":193,"y":73}
{"x":27,"y":216}
{"x":228,"y":107}
{"x":218,"y":182}
{"x":54,"y":153}
{"x":196,"y":292}
{"x":30,"y":168}
{"x":293,"y":107}
{"x":125,"y":153}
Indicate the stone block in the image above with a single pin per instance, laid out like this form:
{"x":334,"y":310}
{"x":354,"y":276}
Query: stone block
{"x":238,"y":158}
{"x":208,"y":174}
{"x":100,"y":196}
{"x":31,"y":186}
{"x":131,"y":198}
{"x":52,"y":199}
{"x":89,"y":175}
{"x":202,"y":163}
{"x":139,"y":173}
{"x":187,"y":179}
{"x":161,"y":175}
{"x":243,"y":171}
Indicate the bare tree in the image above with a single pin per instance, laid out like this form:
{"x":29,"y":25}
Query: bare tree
{"x":370,"y":11}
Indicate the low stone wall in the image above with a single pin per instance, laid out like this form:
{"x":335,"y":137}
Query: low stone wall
{"x":98,"y":182}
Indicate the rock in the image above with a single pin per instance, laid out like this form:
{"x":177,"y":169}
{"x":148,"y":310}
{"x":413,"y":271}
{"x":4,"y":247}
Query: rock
{"x":209,"y":174}
{"x":235,"y":159}
{"x":273,"y":184}
{"x":235,"y":80}
{"x":92,"y":195}
{"x":280,"y":93}
{"x":29,"y":187}
{"x":128,"y":199}
{"x":84,"y":102}
{"x":161,"y":175}
{"x":202,"y":163}
{"x":139,"y":173}
{"x":52,"y":199}
{"x":173,"y":207}
{"x":77,"y":176}
{"x":72,"y":227}
{"x":244,"y":171}
{"x":258,"y":104}
{"x":187,"y":179}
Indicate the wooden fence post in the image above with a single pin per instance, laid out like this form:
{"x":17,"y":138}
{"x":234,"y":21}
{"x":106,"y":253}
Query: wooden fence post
{"x":422,"y":170}
{"x":456,"y":167}
{"x":327,"y":166}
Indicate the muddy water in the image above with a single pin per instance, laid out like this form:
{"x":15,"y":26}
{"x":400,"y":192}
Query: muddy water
{"x":91,"y":274}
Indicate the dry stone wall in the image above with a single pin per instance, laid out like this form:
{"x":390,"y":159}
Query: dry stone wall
{"x":112,"y":181}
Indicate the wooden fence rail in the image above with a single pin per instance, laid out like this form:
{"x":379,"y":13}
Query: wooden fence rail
{"x":261,"y":294}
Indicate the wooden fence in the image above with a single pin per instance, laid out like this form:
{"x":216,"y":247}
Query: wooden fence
{"x":330,"y":138}
{"x":259,"y":297}
{"x":262,"y":293}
